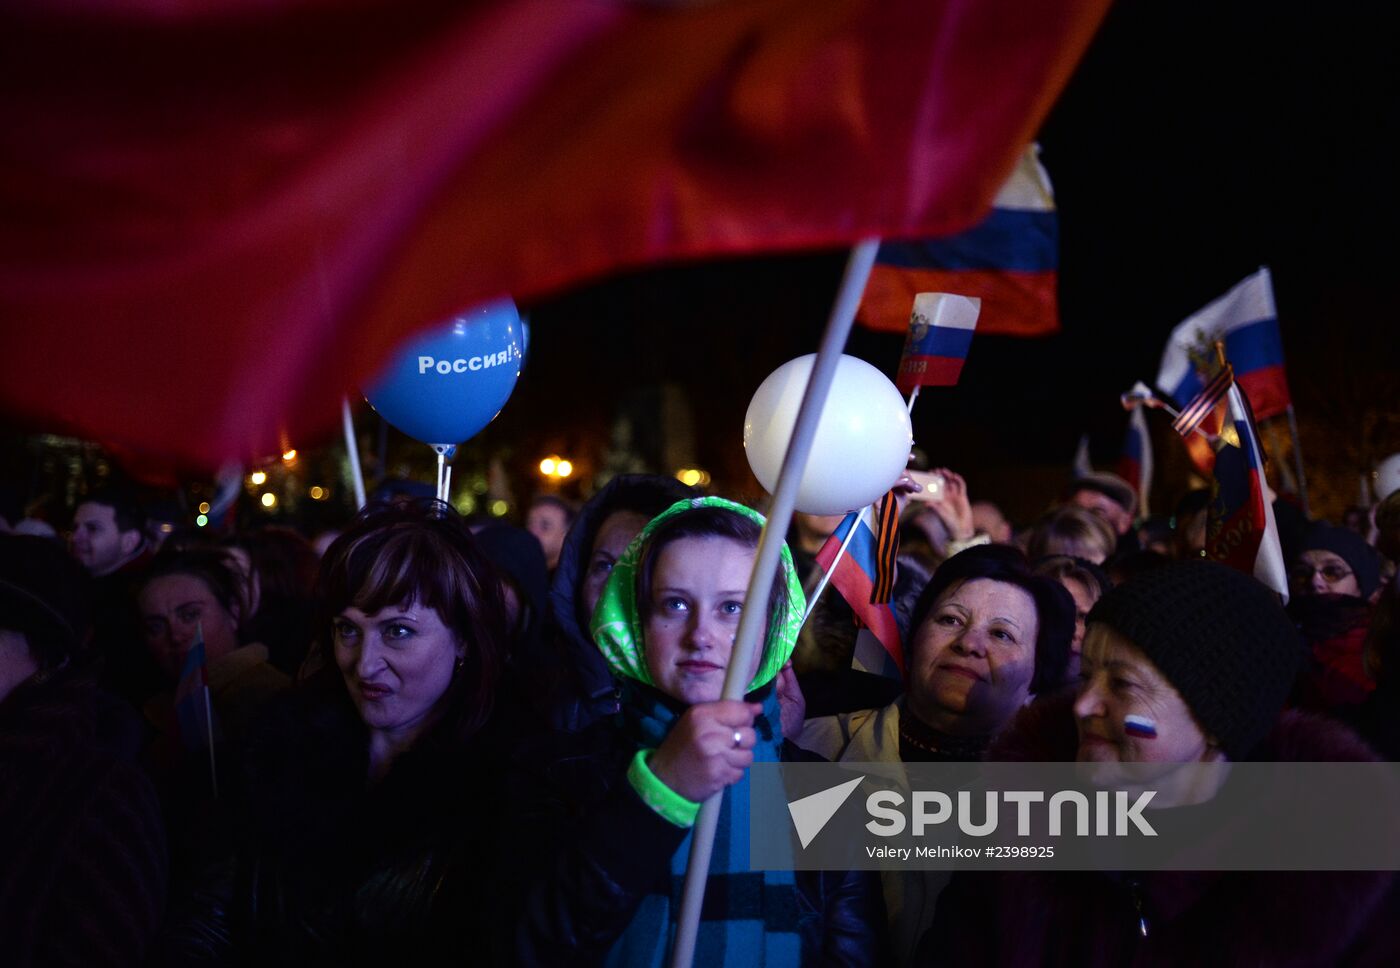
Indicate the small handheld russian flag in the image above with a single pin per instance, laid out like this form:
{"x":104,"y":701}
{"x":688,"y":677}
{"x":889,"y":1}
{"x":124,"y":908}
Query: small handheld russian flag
{"x":859,"y":577}
{"x":189,"y":697}
{"x":1135,"y":462}
{"x":193,"y":712}
{"x":940,"y":335}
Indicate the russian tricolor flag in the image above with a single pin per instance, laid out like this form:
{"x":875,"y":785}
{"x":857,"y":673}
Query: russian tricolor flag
{"x":1010,"y":261}
{"x":1135,"y":463}
{"x":940,"y":336}
{"x":1246,"y":319}
{"x":854,"y":578}
{"x":191,"y":698}
{"x":1240,"y":527}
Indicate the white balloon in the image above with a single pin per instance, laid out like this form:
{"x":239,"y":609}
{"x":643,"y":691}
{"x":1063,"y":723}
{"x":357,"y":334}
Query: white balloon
{"x":862,"y":441}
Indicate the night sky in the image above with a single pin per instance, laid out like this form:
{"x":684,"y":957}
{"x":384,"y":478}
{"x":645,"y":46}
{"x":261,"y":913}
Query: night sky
{"x":1191,"y":147}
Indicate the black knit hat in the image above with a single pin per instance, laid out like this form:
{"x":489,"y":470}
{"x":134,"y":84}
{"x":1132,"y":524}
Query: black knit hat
{"x":1349,"y":546}
{"x":1221,"y":639}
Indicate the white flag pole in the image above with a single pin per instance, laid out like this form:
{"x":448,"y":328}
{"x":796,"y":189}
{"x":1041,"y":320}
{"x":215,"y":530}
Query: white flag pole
{"x":767,"y":560}
{"x":208,"y":714}
{"x":352,"y":448}
{"x":209,"y":728}
{"x":826,"y":575}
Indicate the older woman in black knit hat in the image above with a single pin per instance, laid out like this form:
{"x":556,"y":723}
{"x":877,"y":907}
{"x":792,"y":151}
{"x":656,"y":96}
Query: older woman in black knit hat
{"x":1334,"y":578}
{"x":1190,"y":663}
{"x":82,"y":850}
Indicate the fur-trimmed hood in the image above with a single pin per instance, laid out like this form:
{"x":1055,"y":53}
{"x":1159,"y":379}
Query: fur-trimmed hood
{"x":591,"y":689}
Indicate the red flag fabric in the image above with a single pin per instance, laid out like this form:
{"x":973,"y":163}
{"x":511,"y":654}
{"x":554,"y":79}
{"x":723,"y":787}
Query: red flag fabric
{"x":220,"y":216}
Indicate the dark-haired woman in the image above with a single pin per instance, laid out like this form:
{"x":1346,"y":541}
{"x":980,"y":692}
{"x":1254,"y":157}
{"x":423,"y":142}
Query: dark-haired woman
{"x":191,"y":596}
{"x":608,"y":892}
{"x":988,"y":635}
{"x":369,"y":793}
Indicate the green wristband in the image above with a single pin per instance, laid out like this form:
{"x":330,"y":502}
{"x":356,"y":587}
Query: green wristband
{"x":669,"y":804}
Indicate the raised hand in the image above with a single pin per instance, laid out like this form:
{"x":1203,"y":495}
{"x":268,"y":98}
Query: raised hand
{"x":953,"y":507}
{"x":699,"y":756}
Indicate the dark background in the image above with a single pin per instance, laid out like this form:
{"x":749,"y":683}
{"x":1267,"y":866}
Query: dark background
{"x":1194,"y":144}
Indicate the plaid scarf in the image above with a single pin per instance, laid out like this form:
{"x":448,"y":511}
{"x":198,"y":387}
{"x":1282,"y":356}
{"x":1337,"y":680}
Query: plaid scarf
{"x":748,"y":917}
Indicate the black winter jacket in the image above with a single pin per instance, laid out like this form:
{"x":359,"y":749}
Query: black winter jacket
{"x":333,"y":870}
{"x":82,"y":848}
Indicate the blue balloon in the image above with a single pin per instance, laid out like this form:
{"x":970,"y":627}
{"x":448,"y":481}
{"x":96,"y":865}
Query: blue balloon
{"x":444,"y":386}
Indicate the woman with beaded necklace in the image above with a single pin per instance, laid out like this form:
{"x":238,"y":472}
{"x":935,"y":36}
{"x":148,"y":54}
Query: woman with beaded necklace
{"x":988,"y":634}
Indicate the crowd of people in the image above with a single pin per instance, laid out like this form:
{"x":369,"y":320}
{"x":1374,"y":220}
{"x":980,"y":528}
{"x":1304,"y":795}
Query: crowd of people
{"x":450,"y":741}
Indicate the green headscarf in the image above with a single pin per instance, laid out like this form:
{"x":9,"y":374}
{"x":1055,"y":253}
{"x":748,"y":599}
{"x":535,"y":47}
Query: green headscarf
{"x":760,"y":926}
{"x":617,"y":623}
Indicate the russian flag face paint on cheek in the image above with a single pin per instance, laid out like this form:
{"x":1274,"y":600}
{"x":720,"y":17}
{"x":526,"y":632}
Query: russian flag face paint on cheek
{"x":1140,"y":726}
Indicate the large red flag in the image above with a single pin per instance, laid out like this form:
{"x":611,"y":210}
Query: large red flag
{"x":218,"y":216}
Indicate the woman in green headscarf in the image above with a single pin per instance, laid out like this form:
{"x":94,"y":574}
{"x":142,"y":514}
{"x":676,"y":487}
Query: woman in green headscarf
{"x":666,"y":624}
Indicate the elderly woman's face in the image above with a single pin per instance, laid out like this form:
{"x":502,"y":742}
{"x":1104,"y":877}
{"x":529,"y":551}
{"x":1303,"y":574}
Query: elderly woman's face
{"x":1319,"y":572}
{"x":697,"y":596}
{"x":397,"y":664}
{"x":1127,"y":711}
{"x":973,"y":658}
